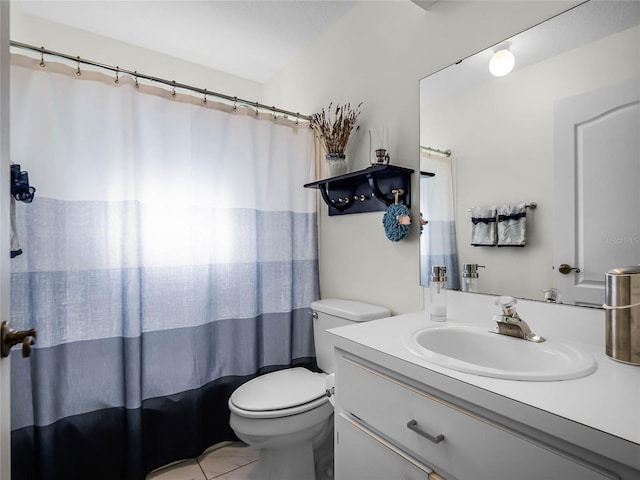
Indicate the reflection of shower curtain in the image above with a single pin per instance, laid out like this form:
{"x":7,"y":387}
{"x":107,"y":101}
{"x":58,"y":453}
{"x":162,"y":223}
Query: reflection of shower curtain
{"x":438,"y":245}
{"x":169,"y":255}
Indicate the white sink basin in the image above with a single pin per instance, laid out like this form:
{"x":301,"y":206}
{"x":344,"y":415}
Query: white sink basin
{"x":476,"y":350}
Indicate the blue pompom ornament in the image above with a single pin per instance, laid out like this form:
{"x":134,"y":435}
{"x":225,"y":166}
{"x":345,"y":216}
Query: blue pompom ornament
{"x":397,"y":222}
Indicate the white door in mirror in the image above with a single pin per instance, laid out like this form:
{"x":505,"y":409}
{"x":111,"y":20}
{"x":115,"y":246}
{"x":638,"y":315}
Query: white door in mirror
{"x":592,"y":231}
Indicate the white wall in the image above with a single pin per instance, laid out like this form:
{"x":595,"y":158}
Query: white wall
{"x":377,"y":54}
{"x":64,"y":39}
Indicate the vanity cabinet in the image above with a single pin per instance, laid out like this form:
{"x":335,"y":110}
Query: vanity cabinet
{"x":372,"y":457}
{"x":387,"y":427}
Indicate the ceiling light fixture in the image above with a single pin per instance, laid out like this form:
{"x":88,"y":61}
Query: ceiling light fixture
{"x":502,"y":61}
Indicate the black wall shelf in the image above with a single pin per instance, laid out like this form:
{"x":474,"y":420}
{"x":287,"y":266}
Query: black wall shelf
{"x":368,"y":190}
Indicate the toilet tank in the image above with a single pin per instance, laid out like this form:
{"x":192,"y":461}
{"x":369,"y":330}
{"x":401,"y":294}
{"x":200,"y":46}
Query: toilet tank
{"x":332,"y":313}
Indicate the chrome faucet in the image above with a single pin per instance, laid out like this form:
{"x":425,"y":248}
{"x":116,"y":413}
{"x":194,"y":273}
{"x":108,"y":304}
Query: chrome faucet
{"x":509,"y":323}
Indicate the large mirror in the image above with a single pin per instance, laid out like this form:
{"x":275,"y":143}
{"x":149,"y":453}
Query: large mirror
{"x":557,"y":139}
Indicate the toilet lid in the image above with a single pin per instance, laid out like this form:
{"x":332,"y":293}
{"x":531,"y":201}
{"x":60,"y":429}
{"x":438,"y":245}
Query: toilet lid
{"x":280,"y":390}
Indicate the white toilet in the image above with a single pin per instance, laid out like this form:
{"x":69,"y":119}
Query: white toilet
{"x":287,"y":415}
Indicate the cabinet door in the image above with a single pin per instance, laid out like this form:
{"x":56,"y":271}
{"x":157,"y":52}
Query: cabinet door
{"x":472,"y":448}
{"x":361,"y":454}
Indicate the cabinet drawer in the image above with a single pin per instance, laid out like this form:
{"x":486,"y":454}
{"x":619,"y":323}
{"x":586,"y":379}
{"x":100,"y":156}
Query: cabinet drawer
{"x":362,"y":454}
{"x":473,"y":448}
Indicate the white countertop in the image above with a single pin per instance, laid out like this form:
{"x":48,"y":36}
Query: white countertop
{"x":607,"y":400}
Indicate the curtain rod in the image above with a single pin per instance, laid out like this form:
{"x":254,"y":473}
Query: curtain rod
{"x":444,"y":153}
{"x":170,"y":83}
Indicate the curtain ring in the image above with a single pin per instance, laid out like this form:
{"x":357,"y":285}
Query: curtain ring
{"x":235,"y":103}
{"x":78,"y":72}
{"x":42,"y":64}
{"x":117,"y":75}
{"x":173,"y":92}
{"x":204,"y":102}
{"x":136,"y":78}
{"x":257,"y":106}
{"x":275,"y":117}
{"x":297,"y":118}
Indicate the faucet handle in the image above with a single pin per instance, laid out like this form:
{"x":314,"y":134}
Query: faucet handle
{"x":551,"y":295}
{"x":507,"y":305}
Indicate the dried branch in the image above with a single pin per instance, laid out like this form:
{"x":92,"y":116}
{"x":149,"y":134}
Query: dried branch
{"x":334,"y":132}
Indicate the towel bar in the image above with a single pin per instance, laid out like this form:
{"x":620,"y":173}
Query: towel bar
{"x":531,"y":205}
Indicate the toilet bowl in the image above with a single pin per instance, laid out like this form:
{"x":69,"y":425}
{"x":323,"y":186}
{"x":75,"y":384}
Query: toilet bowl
{"x":286,"y":415}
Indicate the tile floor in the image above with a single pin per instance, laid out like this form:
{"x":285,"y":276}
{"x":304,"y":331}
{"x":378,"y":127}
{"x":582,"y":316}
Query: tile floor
{"x":224,"y":461}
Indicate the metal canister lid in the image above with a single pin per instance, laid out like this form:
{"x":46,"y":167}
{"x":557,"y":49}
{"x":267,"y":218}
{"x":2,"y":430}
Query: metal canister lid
{"x":438,"y":273}
{"x":632,"y":270}
{"x":622,"y":286}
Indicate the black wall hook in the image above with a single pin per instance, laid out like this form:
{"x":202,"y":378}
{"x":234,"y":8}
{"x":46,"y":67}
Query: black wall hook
{"x":364,"y":190}
{"x":20,"y":188}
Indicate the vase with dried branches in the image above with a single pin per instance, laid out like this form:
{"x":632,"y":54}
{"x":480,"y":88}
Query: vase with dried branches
{"x":334,"y":128}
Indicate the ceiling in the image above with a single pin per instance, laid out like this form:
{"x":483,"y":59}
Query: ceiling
{"x":252,"y":39}
{"x":578,"y":26}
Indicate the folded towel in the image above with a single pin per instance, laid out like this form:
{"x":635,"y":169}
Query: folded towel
{"x":512,"y":225}
{"x":483,"y":230}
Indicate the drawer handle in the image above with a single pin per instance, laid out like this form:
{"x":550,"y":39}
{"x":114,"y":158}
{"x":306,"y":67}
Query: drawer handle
{"x":413,"y":425}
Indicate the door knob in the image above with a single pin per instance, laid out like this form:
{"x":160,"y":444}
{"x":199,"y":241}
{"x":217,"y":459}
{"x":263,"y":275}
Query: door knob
{"x":10,"y":337}
{"x":566,"y":268}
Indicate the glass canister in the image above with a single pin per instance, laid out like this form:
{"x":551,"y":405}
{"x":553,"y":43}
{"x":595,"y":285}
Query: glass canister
{"x":622,"y":314}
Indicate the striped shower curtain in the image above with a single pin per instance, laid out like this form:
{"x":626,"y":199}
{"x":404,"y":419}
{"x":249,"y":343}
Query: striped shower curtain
{"x":438,"y":240}
{"x":169,"y":256}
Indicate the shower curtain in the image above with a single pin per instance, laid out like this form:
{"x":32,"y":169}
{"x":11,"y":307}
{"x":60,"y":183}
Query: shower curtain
{"x":169,"y":256}
{"x":438,"y":242}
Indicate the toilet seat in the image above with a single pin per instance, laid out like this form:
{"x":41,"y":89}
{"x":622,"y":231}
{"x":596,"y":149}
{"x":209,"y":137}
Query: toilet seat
{"x":280,"y":394}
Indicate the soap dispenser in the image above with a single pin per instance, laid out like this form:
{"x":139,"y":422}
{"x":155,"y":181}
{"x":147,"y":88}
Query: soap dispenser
{"x":438,"y":294}
{"x":470,"y":277}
